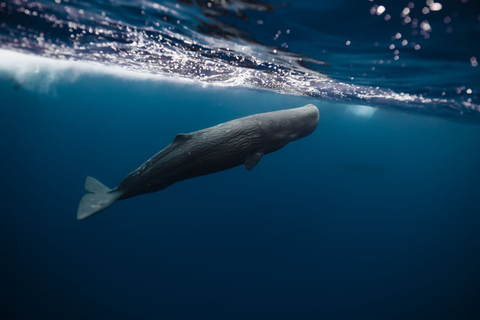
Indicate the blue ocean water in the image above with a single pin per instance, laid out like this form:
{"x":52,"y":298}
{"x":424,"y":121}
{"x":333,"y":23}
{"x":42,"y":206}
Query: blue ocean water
{"x":373,"y":216}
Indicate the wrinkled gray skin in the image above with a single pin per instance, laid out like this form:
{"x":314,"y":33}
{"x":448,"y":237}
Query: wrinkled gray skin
{"x":227,"y":145}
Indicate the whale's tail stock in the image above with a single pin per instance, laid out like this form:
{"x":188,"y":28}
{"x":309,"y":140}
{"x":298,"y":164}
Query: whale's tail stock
{"x":99,"y":198}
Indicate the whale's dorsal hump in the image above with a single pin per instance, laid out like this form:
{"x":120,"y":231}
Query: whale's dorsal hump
{"x":252,"y":159}
{"x":182,"y":137}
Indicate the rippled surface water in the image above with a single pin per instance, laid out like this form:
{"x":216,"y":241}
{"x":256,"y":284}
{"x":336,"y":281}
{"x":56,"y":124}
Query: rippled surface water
{"x":415,"y":56}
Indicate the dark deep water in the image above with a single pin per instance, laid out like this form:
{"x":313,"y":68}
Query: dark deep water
{"x":376,"y":215}
{"x":367,"y":218}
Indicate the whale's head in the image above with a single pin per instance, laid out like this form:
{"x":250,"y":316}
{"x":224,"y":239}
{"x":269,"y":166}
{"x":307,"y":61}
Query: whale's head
{"x":300,"y":122}
{"x":288,"y":125}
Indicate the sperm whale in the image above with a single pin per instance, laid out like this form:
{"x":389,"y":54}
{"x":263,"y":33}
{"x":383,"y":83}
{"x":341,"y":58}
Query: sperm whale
{"x":224,"y":146}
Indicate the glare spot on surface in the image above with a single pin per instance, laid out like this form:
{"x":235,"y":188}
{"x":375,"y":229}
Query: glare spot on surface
{"x":473,"y":61}
{"x":425,"y":26}
{"x":436,"y":6}
{"x":414,"y":22}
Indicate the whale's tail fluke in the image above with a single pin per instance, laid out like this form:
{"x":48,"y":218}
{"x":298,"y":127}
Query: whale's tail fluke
{"x":99,"y":199}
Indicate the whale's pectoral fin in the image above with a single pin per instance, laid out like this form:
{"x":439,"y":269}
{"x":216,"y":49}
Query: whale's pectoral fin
{"x":252,"y":160}
{"x":99,"y":199}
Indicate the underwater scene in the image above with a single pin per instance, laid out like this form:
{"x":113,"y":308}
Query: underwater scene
{"x":211,"y":194}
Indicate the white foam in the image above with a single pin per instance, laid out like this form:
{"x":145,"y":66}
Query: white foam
{"x":40,"y":74}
